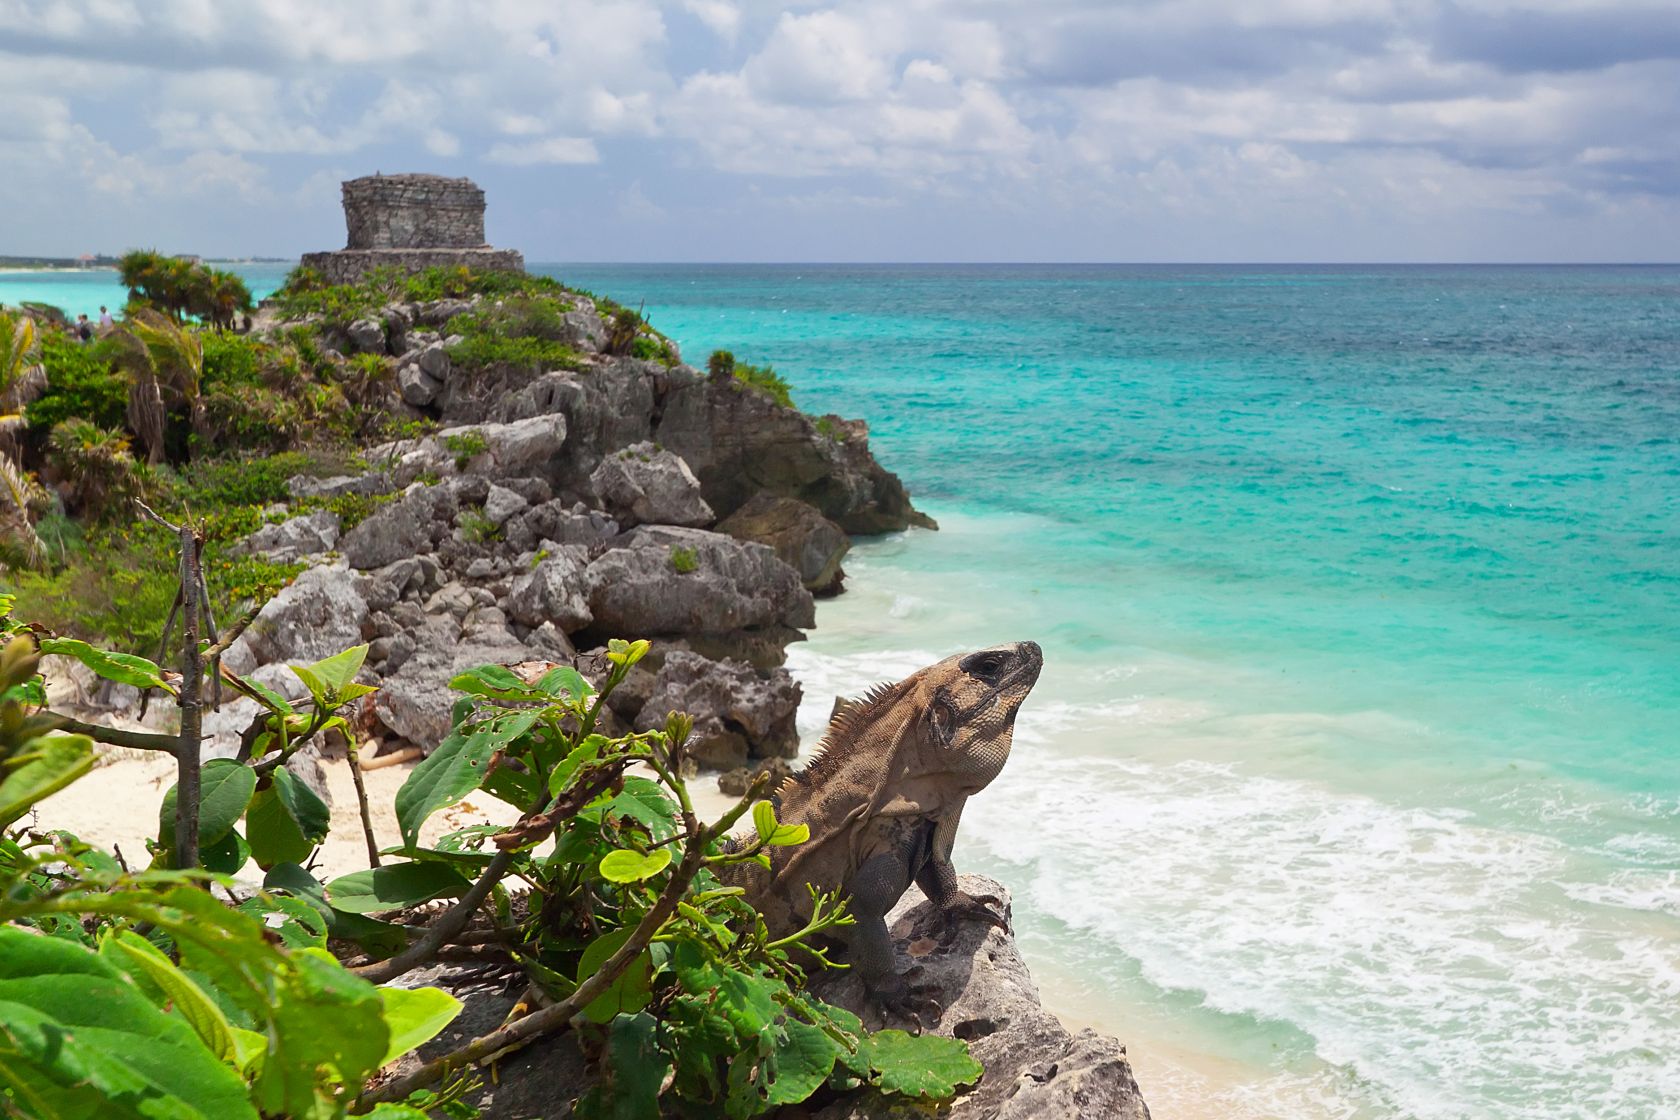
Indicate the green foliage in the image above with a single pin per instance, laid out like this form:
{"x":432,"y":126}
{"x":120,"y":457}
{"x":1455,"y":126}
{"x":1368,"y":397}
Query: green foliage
{"x":477,"y":528}
{"x":523,"y":331}
{"x":180,"y":287}
{"x":721,"y":365}
{"x":96,"y":463}
{"x":764,"y":379}
{"x":465,"y":445}
{"x":81,"y":382}
{"x":827,"y":428}
{"x":306,"y":293}
{"x":684,"y":560}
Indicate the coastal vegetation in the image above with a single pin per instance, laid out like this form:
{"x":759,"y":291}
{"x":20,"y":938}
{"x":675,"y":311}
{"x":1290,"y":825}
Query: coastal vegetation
{"x":158,"y":983}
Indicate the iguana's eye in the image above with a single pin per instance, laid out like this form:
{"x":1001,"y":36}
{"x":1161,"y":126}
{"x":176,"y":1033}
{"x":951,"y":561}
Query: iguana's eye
{"x":982,"y":665}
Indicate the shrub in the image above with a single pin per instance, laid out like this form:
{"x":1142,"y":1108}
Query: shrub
{"x":465,"y":446}
{"x":684,"y":560}
{"x":81,"y":382}
{"x":97,"y":464}
{"x":721,"y":365}
{"x":765,"y":380}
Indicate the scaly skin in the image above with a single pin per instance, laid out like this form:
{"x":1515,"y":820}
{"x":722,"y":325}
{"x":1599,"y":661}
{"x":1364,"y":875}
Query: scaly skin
{"x":883,"y":797}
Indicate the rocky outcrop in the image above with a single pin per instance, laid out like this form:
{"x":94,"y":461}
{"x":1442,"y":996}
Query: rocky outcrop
{"x":1035,"y":1068}
{"x":802,"y":538}
{"x":646,"y":485}
{"x":293,"y":538}
{"x":737,"y":713}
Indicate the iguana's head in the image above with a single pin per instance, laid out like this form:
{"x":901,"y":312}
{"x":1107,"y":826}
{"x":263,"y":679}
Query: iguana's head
{"x":969,"y":703}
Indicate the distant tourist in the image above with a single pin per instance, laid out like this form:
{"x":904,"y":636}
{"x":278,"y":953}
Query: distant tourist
{"x":105,"y":318}
{"x":84,"y":329}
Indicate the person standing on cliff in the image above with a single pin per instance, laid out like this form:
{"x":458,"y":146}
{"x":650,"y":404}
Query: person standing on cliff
{"x":84,"y":329}
{"x":105,"y":321}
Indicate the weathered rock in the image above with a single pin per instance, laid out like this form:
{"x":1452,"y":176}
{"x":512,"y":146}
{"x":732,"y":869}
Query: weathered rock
{"x":738,"y":441}
{"x":415,"y":700}
{"x":367,"y":336}
{"x":433,"y":361}
{"x":730,"y":585}
{"x":401,"y":529}
{"x":1036,"y":1069}
{"x":321,"y":613}
{"x":417,"y":387}
{"x":502,"y":503}
{"x":804,"y":539}
{"x":297,"y":537}
{"x":513,"y":448}
{"x":304,"y":486}
{"x":736,"y":782}
{"x":556,"y":591}
{"x":737,"y":713}
{"x":645,"y":484}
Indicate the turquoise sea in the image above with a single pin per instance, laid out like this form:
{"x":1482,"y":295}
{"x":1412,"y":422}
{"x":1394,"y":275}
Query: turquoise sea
{"x":1352,"y":784}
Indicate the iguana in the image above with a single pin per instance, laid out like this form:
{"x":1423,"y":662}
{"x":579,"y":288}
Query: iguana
{"x":882,"y":798}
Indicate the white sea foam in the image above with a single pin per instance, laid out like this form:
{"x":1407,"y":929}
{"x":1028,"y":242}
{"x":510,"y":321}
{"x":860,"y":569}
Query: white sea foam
{"x":1428,"y":957}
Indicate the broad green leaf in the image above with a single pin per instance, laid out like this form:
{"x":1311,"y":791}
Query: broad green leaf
{"x":773,"y":832}
{"x":632,"y":1074}
{"x":171,"y":988}
{"x":382,"y":939}
{"x":45,"y":766}
{"x":298,"y":923}
{"x":918,"y":1065}
{"x":224,"y":789}
{"x":492,"y":681}
{"x":227,"y":855}
{"x":319,"y":690}
{"x":338,"y":670}
{"x":563,"y":680}
{"x":325,"y":1020}
{"x":454,"y":770}
{"x":86,"y":1043}
{"x":414,"y":1016}
{"x":801,"y":1061}
{"x":395,"y":886}
{"x":389,"y":1111}
{"x":124,"y":668}
{"x":629,"y":992}
{"x":764,"y":819}
{"x":644,"y":800}
{"x":582,"y":754}
{"x":624,"y":866}
{"x":285,"y":821}
{"x":260,"y":692}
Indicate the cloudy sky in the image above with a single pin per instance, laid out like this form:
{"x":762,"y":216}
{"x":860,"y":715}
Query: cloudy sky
{"x":1245,"y":130}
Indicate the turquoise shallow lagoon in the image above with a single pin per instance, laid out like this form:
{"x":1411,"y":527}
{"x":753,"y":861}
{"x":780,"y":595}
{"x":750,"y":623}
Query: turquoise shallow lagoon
{"x":1355,"y":766}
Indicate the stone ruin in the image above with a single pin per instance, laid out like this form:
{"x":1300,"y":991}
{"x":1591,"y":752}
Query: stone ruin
{"x":412,"y":222}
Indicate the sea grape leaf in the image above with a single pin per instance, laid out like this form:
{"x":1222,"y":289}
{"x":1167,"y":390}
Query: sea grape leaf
{"x":227,"y":855}
{"x":643,"y":800}
{"x":224,"y":789}
{"x":337,"y":671}
{"x":382,"y":939}
{"x":773,"y":832}
{"x":624,"y":866}
{"x":154,"y":973}
{"x":925,"y":1066}
{"x":563,"y":680}
{"x":414,"y":1016}
{"x":42,"y":768}
{"x":629,"y":992}
{"x":455,"y":769}
{"x":285,"y":821}
{"x":801,"y":1061}
{"x":124,"y":668}
{"x":298,"y":923}
{"x":79,"y":1040}
{"x":492,"y":681}
{"x":632,"y":1074}
{"x":396,"y":885}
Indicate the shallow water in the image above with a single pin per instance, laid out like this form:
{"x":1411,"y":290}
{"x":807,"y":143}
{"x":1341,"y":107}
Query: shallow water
{"x":1353,"y":765}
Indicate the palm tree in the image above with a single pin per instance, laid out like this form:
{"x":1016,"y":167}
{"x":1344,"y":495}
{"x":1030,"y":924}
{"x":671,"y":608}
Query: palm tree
{"x":163,"y":360}
{"x":21,"y":377}
{"x":228,"y":297}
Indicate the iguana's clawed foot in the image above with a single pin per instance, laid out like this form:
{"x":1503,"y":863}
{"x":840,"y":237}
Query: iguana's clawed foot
{"x":910,"y":1001}
{"x":961,"y":904}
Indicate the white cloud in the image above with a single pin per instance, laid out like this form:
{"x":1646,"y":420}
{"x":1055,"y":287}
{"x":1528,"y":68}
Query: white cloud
{"x":721,"y":16}
{"x":556,"y":149}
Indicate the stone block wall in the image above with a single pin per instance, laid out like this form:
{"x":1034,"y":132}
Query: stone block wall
{"x":414,"y":212}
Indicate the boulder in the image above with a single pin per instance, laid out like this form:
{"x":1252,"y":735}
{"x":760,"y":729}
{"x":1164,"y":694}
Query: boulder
{"x":415,"y":700}
{"x":681,"y":581}
{"x":433,"y":360}
{"x":321,"y":613}
{"x":292,"y":539}
{"x":736,"y":782}
{"x":804,"y":539}
{"x":737,"y":713}
{"x":556,"y":591}
{"x":518,"y":447}
{"x":739,"y":441}
{"x":502,"y":503}
{"x":367,"y":336}
{"x":411,"y":525}
{"x":645,"y":484}
{"x":1036,"y":1069}
{"x":304,"y":486}
{"x":417,"y":387}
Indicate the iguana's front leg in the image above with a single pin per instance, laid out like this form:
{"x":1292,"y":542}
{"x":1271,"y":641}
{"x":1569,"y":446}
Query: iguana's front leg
{"x":877,"y":887}
{"x":938,"y":880}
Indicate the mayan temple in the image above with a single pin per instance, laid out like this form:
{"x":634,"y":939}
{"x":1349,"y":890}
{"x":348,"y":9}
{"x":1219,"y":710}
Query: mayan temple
{"x":412,"y":222}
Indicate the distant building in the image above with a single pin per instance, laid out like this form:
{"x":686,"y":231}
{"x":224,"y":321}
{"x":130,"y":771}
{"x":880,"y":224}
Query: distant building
{"x":412,"y":222}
